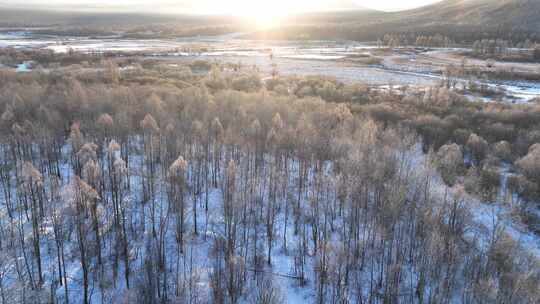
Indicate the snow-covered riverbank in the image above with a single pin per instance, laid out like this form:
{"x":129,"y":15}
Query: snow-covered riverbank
{"x":288,"y":57}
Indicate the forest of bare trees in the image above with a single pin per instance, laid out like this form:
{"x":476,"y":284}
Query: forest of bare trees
{"x":158,"y":185}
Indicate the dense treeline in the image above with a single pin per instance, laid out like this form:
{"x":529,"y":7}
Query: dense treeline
{"x":403,"y":40}
{"x":497,"y":47}
{"x":157,"y":185}
{"x":502,"y":50}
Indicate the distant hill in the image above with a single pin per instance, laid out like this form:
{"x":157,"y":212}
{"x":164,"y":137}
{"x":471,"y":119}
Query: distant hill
{"x":463,"y":20}
{"x":515,"y":14}
{"x":15,"y":17}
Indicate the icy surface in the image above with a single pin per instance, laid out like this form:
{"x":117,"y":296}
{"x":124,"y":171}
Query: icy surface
{"x":23,"y":67}
{"x":290,"y":57}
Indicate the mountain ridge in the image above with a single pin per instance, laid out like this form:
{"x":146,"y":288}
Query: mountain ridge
{"x":462,"y":20}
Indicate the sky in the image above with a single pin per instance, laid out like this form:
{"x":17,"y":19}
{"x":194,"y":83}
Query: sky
{"x":231,"y":7}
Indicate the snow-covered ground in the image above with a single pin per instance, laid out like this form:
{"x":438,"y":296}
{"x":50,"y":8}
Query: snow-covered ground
{"x":489,"y":217}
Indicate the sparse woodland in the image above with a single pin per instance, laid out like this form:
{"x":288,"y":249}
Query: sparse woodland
{"x":159,"y":185}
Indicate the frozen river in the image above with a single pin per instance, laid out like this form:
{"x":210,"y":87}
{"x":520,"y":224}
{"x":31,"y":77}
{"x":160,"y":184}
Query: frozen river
{"x":334,"y":59}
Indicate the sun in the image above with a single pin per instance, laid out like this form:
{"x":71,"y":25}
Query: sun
{"x":263,"y":14}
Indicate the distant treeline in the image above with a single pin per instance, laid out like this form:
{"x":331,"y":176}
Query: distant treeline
{"x":465,"y":34}
{"x":398,"y":40}
{"x":502,"y":50}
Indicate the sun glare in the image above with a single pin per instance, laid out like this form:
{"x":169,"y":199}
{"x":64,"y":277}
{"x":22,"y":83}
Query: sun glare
{"x":265,"y":14}
{"x":269,"y":13}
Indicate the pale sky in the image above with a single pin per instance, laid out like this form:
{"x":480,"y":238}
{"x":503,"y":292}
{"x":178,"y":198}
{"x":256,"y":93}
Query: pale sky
{"x":234,"y":7}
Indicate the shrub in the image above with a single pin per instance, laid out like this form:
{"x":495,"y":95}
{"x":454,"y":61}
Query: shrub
{"x":434,"y":130}
{"x":471,"y":181}
{"x":489,"y":182}
{"x":520,"y":185}
{"x":281,"y":89}
{"x":478,"y":147}
{"x":450,"y":159}
{"x":201,"y":65}
{"x":247,"y":83}
{"x":529,"y":165}
{"x":461,"y":136}
{"x":503,"y":150}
